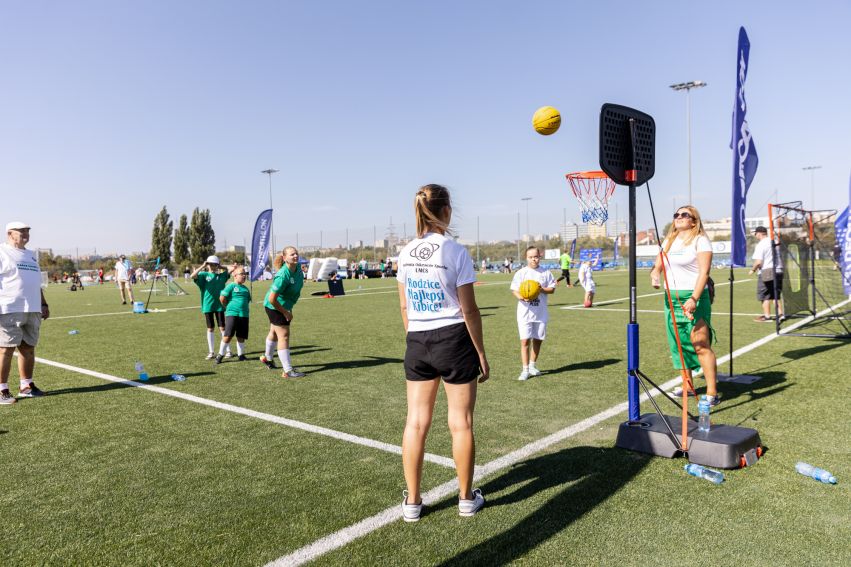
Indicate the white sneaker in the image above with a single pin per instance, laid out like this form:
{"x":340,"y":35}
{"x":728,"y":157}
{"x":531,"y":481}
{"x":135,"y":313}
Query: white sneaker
{"x":228,"y":354}
{"x":534,"y":371}
{"x":410,"y":512}
{"x":523,"y":375}
{"x":210,"y":356}
{"x":467,"y":508}
{"x":677,"y":392}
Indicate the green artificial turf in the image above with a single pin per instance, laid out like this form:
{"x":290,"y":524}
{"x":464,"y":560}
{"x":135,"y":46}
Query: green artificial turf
{"x":103,"y":473}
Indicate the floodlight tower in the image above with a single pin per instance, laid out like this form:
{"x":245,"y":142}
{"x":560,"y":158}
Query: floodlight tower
{"x":269,"y":172}
{"x":687,"y":88}
{"x":812,"y":169}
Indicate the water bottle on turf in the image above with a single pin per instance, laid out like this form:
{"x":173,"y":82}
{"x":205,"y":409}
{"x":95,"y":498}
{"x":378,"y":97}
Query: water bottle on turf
{"x":178,"y":377}
{"x":820,"y":475}
{"x":703,"y":472}
{"x":703,"y":411}
{"x":140,"y":368}
{"x":73,"y":332}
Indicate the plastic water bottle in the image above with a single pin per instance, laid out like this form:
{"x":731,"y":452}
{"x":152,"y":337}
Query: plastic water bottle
{"x":178,"y":377}
{"x":73,"y":332}
{"x":703,"y":472}
{"x":140,"y":368}
{"x":820,"y":475}
{"x":703,"y":417}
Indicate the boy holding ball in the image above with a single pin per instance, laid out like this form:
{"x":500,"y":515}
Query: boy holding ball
{"x":532,"y":313}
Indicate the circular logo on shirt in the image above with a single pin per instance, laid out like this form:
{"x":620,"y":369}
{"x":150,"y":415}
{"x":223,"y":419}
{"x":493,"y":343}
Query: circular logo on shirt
{"x":424,"y":250}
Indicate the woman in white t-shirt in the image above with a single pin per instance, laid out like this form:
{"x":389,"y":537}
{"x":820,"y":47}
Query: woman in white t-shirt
{"x":687,"y":261}
{"x":444,"y":341}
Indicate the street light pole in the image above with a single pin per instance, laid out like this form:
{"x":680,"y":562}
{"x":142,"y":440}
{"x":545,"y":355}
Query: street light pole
{"x":527,"y":199}
{"x":269,"y":172}
{"x":812,"y":169}
{"x":687,"y":88}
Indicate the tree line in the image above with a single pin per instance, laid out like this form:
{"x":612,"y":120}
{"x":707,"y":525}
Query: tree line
{"x":193,"y":240}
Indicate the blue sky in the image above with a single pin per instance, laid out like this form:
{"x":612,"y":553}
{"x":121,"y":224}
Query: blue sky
{"x":113,"y":109}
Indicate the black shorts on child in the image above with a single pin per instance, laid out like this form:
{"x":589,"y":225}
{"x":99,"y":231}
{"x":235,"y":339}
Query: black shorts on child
{"x":276,"y":317}
{"x":236,"y":326}
{"x":447,"y":352}
{"x":215,"y":319}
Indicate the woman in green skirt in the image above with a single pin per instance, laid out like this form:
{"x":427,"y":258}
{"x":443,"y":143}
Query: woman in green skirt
{"x":688,"y":259}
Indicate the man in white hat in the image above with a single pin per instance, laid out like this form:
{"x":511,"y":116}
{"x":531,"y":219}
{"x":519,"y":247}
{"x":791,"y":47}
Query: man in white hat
{"x":22,"y":309}
{"x":211,"y":280}
{"x":122,"y":276}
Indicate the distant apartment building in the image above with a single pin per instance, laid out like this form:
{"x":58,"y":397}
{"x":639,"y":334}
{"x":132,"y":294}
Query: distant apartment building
{"x":572,"y":230}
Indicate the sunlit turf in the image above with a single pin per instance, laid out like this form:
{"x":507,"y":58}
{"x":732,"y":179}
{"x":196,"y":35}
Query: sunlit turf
{"x":101,"y":473}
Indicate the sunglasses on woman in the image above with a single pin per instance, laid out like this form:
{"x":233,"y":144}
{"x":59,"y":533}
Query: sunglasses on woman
{"x":683,"y":215}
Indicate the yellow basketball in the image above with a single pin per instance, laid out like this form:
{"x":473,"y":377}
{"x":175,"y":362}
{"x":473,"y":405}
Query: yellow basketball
{"x":546,"y":120}
{"x":530,"y":289}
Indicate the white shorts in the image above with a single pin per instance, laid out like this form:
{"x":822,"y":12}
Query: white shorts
{"x":590,"y":288}
{"x":18,"y":327}
{"x":532,"y":330}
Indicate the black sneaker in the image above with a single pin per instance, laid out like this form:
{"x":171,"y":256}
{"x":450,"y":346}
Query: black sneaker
{"x":242,"y":358}
{"x":31,"y":392}
{"x":219,"y":358}
{"x":6,"y":398}
{"x":270,"y":364}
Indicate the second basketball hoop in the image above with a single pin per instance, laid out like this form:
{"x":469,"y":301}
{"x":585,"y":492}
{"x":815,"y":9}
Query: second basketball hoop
{"x":592,"y":189}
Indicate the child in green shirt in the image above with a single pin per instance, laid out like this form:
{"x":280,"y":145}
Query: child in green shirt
{"x":211,"y":281}
{"x":236,"y":299}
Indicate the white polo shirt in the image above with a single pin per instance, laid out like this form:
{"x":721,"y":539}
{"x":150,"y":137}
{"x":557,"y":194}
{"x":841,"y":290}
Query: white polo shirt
{"x":20,"y":281}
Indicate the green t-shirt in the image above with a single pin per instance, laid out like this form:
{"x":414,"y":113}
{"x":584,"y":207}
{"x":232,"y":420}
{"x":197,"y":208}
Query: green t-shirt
{"x":211,"y":286}
{"x":239,"y":298}
{"x":565,"y":261}
{"x":288,"y":287}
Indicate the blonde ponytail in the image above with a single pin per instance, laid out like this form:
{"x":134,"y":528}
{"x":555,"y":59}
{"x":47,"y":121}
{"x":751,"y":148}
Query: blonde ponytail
{"x":428,"y":209}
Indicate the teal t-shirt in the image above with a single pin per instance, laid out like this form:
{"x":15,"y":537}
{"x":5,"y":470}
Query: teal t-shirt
{"x":288,"y":287}
{"x":239,"y":299}
{"x":211,"y":286}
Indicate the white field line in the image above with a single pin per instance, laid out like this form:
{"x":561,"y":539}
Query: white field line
{"x":346,"y":535}
{"x":121,"y":313}
{"x":395,"y":449}
{"x":595,"y":308}
{"x":651,"y":295}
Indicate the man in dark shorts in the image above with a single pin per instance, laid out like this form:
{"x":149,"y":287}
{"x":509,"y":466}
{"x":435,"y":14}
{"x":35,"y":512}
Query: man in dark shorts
{"x":770,"y":283}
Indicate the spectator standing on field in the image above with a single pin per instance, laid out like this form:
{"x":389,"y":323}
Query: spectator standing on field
{"x":122,"y":277}
{"x":770,"y":275}
{"x":22,"y":309}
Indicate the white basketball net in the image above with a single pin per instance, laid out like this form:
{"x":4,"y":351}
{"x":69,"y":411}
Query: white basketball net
{"x":592,"y":189}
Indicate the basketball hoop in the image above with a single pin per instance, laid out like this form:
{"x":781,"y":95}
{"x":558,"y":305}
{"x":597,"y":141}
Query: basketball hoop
{"x":592,"y":189}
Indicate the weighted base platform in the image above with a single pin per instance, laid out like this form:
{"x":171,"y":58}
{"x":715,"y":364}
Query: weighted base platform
{"x":722,"y":447}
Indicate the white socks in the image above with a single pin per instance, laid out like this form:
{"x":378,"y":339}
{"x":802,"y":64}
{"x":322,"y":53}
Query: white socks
{"x":532,"y":364}
{"x":284,"y":355}
{"x":211,"y":341}
{"x":222,"y":348}
{"x":270,"y":349}
{"x":240,"y":348}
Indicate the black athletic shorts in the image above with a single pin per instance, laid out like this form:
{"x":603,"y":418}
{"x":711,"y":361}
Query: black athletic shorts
{"x":765,"y":289}
{"x":276,"y":317}
{"x":215,"y":319}
{"x":236,"y":326}
{"x":447,"y":353}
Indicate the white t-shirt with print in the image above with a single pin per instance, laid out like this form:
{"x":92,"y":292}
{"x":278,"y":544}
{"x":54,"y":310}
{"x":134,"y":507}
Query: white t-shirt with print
{"x":682,"y":268}
{"x":20,"y":281}
{"x":762,"y":252}
{"x":534,"y":311}
{"x":432,"y":268}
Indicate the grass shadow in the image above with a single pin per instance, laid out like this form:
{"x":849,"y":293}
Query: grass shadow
{"x":805,"y":352}
{"x":107,"y":386}
{"x":586,"y":365}
{"x":771,"y":383}
{"x":349,"y":364}
{"x":582,"y":478}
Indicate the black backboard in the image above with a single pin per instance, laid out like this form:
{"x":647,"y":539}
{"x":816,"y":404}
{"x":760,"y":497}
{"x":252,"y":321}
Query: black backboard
{"x":624,"y":163}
